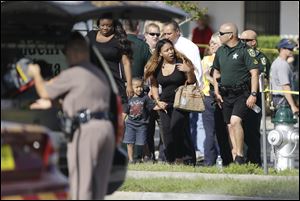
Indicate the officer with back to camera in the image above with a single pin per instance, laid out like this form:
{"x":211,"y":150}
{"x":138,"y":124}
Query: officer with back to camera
{"x":84,"y":86}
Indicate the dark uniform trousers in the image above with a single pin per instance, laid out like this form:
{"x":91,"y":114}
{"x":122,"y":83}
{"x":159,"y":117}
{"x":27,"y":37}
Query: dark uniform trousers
{"x":222,"y":137}
{"x":252,"y":134}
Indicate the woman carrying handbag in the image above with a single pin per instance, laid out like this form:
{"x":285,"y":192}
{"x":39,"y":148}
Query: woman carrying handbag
{"x":171,"y":69}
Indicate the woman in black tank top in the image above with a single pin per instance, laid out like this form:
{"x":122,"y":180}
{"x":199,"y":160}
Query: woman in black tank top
{"x":171,"y":69}
{"x":112,"y":43}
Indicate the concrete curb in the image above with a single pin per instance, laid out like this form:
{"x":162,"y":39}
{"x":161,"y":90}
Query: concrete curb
{"x":119,"y":195}
{"x":187,"y":175}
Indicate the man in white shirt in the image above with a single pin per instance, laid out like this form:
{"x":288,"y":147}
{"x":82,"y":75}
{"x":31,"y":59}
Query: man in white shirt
{"x":172,"y":32}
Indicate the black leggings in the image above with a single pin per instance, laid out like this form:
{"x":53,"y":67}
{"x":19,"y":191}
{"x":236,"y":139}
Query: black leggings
{"x":177,"y":136}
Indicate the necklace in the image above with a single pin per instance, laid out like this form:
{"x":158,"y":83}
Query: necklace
{"x":167,"y":65}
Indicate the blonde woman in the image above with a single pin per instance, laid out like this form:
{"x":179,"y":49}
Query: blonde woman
{"x":211,"y":148}
{"x":152,"y":34}
{"x":171,"y":69}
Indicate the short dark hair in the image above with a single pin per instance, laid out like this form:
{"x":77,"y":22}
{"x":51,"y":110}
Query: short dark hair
{"x":130,"y":25}
{"x":104,"y":16}
{"x":77,"y":43}
{"x":140,"y":79}
{"x":174,"y":24}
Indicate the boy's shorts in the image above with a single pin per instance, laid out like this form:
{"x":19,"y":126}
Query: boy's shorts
{"x":135,"y":134}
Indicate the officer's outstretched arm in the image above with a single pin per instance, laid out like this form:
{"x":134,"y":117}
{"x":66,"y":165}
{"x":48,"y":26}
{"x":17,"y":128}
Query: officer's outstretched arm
{"x":219,"y":99}
{"x":34,"y":71}
{"x":216,"y":75}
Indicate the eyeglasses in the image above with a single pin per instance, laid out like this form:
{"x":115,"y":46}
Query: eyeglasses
{"x":288,"y":49}
{"x":246,"y":40}
{"x":223,"y":33}
{"x":154,"y":34}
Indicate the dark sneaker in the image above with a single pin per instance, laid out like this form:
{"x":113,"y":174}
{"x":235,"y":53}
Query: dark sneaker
{"x":240,"y":160}
{"x":131,"y":162}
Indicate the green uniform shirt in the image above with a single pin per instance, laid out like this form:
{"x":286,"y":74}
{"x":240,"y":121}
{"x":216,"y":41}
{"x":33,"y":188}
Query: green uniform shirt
{"x":264,"y":64}
{"x":141,"y":55}
{"x":235,"y":63}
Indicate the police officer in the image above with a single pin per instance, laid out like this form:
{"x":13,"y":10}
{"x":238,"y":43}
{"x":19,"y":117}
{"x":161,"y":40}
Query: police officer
{"x":253,"y":119}
{"x":235,"y":62}
{"x":250,"y":38}
{"x":90,"y":153}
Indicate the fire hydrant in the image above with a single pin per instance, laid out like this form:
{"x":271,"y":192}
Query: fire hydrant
{"x":284,"y":139}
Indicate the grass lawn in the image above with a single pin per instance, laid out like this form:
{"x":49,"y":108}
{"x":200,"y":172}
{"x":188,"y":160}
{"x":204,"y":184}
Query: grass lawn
{"x":231,"y":169}
{"x":270,"y":189}
{"x":284,"y":188}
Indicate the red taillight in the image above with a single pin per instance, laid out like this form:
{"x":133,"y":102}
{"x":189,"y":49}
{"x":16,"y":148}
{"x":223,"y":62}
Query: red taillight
{"x":49,"y":151}
{"x":120,"y":123}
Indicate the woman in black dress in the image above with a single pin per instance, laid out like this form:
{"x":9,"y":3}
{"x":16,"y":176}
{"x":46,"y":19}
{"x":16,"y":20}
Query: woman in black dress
{"x":172,"y":69}
{"x":112,"y":43}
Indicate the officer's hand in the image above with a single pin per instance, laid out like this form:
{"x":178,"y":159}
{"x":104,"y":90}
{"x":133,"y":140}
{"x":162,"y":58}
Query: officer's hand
{"x":33,"y":70}
{"x":129,"y":91}
{"x":295,"y":110}
{"x":41,"y":104}
{"x":219,"y":100}
{"x":251,"y":101}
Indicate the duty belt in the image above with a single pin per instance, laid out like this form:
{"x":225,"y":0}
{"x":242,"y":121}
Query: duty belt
{"x":236,"y":89}
{"x":70,"y":124}
{"x":83,"y":116}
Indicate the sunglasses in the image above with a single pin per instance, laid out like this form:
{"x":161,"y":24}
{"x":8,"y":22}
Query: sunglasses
{"x":288,"y":49}
{"x":247,"y":40}
{"x":223,"y":33}
{"x":154,"y":34}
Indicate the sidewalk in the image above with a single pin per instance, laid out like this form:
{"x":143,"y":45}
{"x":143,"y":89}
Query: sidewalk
{"x":119,"y":195}
{"x":189,"y":175}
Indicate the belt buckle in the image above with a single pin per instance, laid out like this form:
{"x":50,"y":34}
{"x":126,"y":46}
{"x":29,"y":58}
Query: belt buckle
{"x":84,"y":116}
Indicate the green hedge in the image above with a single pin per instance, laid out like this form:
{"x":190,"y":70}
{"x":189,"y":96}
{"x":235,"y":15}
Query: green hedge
{"x":267,"y":44}
{"x":268,"y":41}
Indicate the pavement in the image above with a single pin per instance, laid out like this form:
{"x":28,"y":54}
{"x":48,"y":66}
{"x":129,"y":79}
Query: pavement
{"x":191,"y":176}
{"x":120,"y":195}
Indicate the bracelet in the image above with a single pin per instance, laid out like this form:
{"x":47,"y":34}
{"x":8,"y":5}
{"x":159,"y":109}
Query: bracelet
{"x":156,"y":100}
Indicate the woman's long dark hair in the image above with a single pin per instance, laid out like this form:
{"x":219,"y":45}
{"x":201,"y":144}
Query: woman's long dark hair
{"x":156,"y":61}
{"x":120,"y":35}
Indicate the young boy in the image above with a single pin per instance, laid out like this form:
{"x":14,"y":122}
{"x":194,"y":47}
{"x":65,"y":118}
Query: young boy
{"x":137,"y":120}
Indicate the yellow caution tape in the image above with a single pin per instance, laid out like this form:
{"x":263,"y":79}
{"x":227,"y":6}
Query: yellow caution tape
{"x":282,"y":91}
{"x":23,"y":76}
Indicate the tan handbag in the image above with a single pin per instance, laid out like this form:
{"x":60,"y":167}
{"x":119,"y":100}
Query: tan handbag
{"x":189,"y":98}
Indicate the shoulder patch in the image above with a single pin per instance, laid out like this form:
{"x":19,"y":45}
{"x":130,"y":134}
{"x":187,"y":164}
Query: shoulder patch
{"x":251,"y":52}
{"x":255,"y":61}
{"x":263,"y":60}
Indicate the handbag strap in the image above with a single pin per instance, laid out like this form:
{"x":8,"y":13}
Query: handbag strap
{"x":197,"y":84}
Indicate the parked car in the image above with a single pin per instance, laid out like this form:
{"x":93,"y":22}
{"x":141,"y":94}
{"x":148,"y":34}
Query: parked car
{"x":28,"y":163}
{"x":37,"y":31}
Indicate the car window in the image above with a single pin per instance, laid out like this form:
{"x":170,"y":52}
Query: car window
{"x":48,"y":54}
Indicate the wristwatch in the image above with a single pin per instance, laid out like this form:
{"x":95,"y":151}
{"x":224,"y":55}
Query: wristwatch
{"x":253,"y":94}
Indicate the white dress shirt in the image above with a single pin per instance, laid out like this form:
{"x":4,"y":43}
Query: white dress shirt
{"x":191,"y":51}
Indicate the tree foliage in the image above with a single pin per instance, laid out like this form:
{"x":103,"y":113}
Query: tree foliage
{"x":192,"y":8}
